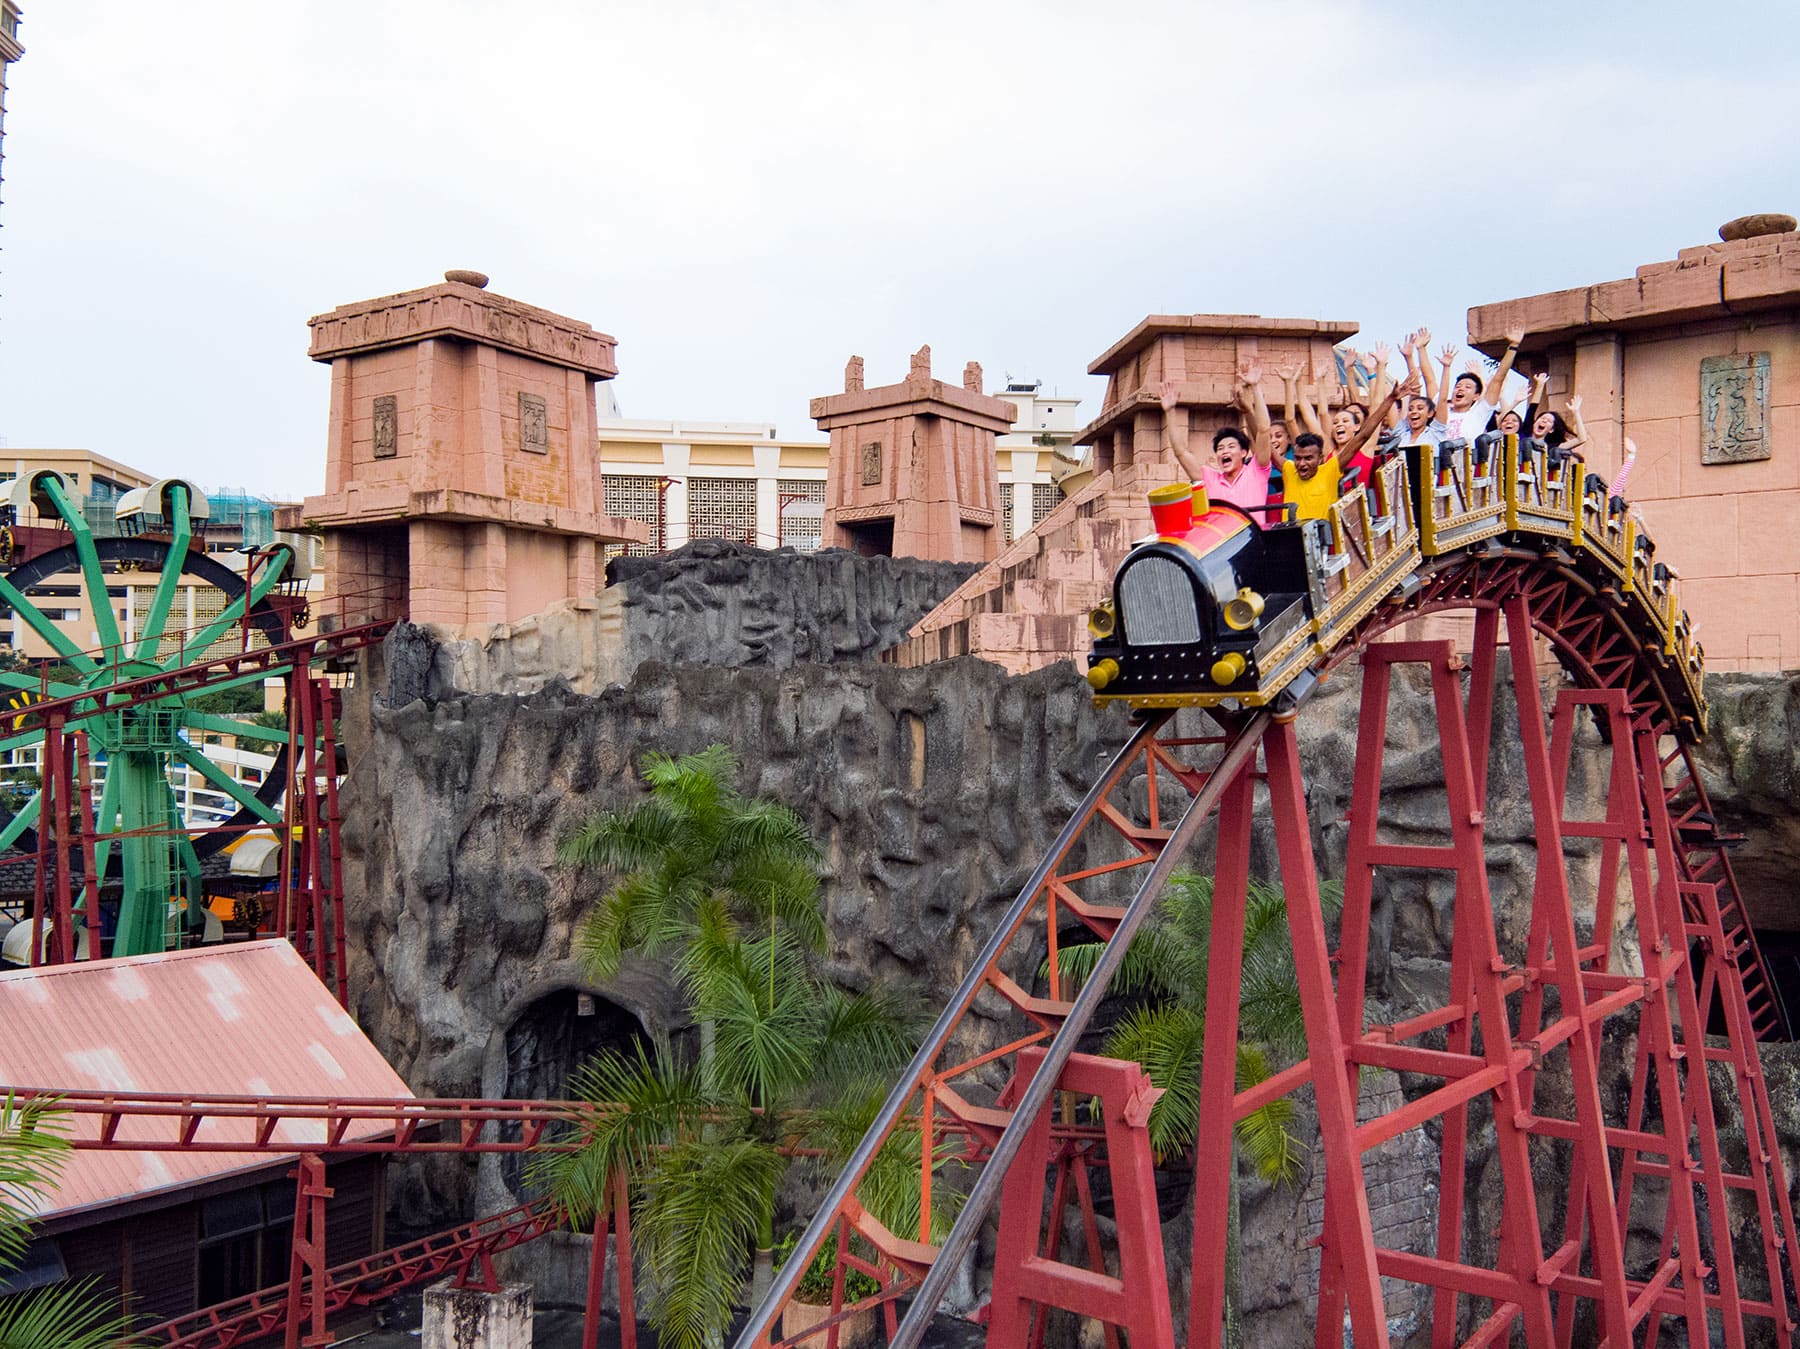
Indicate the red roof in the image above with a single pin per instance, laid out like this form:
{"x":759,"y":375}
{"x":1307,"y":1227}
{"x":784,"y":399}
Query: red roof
{"x":250,"y":1019}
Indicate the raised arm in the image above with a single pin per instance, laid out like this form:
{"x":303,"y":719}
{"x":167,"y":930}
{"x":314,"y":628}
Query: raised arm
{"x":1290,"y":379}
{"x":1497,"y":385}
{"x":1578,"y":432}
{"x":1250,"y":397}
{"x":1317,"y":412}
{"x":1534,"y":404}
{"x":1373,"y":421}
{"x":1446,"y":359}
{"x":1175,"y":431}
{"x":1357,"y":382}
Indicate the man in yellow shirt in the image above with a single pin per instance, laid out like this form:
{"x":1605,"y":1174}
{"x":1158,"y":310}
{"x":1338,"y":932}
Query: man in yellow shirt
{"x":1310,"y":479}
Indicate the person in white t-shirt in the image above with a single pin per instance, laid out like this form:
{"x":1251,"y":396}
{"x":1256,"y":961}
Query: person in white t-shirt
{"x":1472,"y":401}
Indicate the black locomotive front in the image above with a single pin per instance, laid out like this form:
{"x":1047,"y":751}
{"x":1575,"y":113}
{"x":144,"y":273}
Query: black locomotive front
{"x":1208,"y":610}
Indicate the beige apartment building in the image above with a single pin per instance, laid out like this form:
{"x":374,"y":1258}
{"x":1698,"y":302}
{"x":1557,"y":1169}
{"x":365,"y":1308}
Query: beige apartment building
{"x":237,"y":520}
{"x":742,"y":481}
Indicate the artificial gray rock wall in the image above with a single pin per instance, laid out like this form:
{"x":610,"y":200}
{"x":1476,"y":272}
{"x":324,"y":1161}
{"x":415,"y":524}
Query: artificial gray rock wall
{"x":934,"y":790}
{"x":713,"y":603}
{"x":719,"y":603}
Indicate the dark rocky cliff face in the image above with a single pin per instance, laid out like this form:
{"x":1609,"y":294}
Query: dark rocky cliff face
{"x":719,"y":603}
{"x":934,"y":791}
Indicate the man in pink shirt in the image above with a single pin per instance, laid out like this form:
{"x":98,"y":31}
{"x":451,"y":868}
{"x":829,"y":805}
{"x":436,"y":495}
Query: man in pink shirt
{"x":1241,"y":477}
{"x":1240,"y":473}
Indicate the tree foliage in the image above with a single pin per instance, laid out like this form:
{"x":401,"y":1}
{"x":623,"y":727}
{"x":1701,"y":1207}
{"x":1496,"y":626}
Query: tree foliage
{"x":728,"y":888}
{"x":34,"y":1145}
{"x":1168,"y":964}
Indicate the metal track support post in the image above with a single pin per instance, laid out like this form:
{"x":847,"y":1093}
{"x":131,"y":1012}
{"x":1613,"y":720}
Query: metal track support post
{"x":307,"y":1279}
{"x":1349,"y":1238}
{"x":1028,"y":1283}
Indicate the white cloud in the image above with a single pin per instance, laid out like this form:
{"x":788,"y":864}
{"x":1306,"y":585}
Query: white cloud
{"x":746,"y":193}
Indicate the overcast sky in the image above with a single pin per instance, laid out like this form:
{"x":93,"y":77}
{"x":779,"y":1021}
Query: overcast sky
{"x":744,"y":195}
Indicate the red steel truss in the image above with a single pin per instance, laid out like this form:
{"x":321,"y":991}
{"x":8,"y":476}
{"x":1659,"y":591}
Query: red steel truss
{"x":464,"y":1253}
{"x":1548,"y":1279}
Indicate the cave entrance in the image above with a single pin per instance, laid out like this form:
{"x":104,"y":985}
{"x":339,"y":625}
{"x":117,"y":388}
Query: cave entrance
{"x":551,"y":1039}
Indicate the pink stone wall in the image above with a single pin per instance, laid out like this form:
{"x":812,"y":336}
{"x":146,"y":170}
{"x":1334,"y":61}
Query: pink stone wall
{"x":476,"y":525}
{"x":939,"y":481}
{"x":1731,"y":530}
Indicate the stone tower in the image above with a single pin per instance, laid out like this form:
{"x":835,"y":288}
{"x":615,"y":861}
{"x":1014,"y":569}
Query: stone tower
{"x":462,"y":477}
{"x":912,"y":469}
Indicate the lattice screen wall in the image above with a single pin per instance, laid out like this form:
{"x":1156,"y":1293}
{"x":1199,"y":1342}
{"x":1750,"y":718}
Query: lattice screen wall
{"x":722,"y":508}
{"x":1045,"y":497}
{"x":800,"y":533}
{"x":634,"y":497}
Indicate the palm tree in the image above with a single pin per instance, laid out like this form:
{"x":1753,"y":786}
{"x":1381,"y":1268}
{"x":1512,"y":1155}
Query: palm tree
{"x":730,"y":886}
{"x":33,"y":1147}
{"x":694,"y":840}
{"x":1168,"y":964}
{"x":705,"y":1144}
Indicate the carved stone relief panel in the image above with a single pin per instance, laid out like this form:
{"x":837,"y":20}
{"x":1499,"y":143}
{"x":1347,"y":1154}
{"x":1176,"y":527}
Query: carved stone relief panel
{"x":534,"y":424}
{"x":1734,"y":408}
{"x":871,"y":464}
{"x":387,"y":426}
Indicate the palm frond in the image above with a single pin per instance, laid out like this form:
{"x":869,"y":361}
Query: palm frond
{"x":1266,"y":1133}
{"x":624,"y":840}
{"x":763,"y":1048}
{"x":33,"y":1148}
{"x":657,"y":1100}
{"x":1150,"y":965}
{"x":1170,"y":1042}
{"x":68,"y":1316}
{"x":890,"y":1187}
{"x":701,"y":1207}
{"x":783,"y":885}
{"x":762,"y":826}
{"x":862,"y":1035}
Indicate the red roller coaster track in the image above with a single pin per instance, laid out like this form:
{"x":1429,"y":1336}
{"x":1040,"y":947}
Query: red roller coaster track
{"x":1510,"y":1016}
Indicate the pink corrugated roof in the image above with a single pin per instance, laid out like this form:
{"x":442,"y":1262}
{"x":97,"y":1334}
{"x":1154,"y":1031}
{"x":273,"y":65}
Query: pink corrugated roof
{"x":245,"y":1020}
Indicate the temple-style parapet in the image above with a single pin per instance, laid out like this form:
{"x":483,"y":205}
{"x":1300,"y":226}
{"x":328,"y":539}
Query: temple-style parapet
{"x":912,"y":471}
{"x":462,"y":481}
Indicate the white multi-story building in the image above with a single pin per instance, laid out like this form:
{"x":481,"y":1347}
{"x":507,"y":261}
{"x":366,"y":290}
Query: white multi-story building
{"x":1046,"y":425}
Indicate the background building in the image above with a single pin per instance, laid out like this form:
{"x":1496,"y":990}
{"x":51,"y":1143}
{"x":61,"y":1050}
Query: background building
{"x":712,"y":480}
{"x":1029,"y":454}
{"x":742,"y":481}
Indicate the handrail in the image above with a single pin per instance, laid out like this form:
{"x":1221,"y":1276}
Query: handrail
{"x":762,"y":1319}
{"x":1240,"y":754}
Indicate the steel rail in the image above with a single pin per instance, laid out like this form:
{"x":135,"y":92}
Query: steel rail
{"x":762,"y":1319}
{"x":1239,"y":754}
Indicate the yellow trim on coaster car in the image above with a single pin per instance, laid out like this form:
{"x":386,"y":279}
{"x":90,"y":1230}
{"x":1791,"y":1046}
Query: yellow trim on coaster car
{"x":1612,"y":542}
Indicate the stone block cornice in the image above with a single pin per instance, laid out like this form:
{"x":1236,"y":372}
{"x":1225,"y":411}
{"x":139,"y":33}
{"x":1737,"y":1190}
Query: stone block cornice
{"x":453,"y":309}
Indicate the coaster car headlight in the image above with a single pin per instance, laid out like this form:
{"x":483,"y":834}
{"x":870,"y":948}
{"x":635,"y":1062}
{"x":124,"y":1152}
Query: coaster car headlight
{"x":1243,"y":609}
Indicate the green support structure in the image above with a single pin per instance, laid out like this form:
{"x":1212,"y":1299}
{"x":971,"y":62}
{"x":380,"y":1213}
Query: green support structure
{"x":138,"y":823}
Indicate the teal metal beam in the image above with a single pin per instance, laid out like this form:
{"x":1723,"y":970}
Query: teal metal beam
{"x":14,"y":679}
{"x":226,"y":726}
{"x":106,"y":623}
{"x":27,"y":815}
{"x":195,"y":647}
{"x":222,"y":780}
{"x":157,"y":621}
{"x":44,"y":628}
